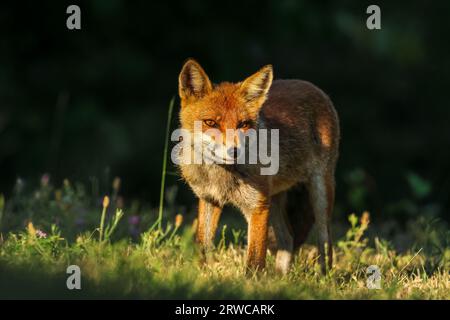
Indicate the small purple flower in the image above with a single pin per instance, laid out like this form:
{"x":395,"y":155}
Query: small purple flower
{"x":134,"y":220}
{"x":40,"y":234}
{"x":45,"y":179}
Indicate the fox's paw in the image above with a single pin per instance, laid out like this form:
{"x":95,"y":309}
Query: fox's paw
{"x":283,"y":261}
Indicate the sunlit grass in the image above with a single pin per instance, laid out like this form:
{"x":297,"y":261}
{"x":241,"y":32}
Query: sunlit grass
{"x":165,"y":263}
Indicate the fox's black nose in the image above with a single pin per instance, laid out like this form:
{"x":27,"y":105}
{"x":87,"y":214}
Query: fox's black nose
{"x":233,"y":152}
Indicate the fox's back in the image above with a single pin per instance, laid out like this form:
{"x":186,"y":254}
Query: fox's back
{"x":308,"y":129}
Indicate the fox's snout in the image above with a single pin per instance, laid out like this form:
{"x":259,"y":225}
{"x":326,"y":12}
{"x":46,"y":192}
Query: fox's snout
{"x":219,"y":151}
{"x":233,"y":152}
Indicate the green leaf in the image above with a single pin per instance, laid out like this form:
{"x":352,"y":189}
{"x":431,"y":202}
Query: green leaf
{"x":419,"y":186}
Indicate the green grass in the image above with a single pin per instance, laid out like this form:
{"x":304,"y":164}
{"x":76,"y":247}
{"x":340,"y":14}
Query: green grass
{"x":165,"y":263}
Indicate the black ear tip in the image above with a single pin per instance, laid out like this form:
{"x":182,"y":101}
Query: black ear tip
{"x":190,"y":61}
{"x":268,"y":68}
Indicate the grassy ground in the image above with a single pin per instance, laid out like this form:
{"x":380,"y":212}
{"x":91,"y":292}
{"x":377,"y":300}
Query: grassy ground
{"x":164,"y":263}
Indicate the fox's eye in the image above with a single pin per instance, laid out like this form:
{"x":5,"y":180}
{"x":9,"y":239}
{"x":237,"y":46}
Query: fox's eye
{"x":210,"y":123}
{"x":244,"y":125}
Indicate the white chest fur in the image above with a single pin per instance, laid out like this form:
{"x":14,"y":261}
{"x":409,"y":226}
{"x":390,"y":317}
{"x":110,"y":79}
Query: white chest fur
{"x":222,"y":185}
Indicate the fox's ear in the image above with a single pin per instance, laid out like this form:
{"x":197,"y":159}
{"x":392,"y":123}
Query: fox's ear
{"x":193,"y":81}
{"x":255,"y":87}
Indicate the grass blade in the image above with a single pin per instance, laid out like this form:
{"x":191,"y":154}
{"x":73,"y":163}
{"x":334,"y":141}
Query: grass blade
{"x":164,"y":167}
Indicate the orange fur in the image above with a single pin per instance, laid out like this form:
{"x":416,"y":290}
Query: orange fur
{"x":257,"y":233}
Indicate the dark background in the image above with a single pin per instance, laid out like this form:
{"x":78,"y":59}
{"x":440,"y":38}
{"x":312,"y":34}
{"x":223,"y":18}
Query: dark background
{"x":93,"y":102}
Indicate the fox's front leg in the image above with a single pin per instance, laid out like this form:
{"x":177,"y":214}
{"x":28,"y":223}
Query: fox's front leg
{"x":208,"y":219}
{"x":258,"y":222}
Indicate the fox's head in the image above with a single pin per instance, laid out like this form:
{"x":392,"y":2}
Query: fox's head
{"x":222,"y":107}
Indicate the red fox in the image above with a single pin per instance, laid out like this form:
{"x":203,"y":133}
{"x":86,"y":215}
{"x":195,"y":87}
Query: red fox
{"x":308,"y":129}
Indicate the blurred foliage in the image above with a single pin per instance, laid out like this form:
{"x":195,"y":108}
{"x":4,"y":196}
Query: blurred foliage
{"x":420,"y":187}
{"x":91,"y":104}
